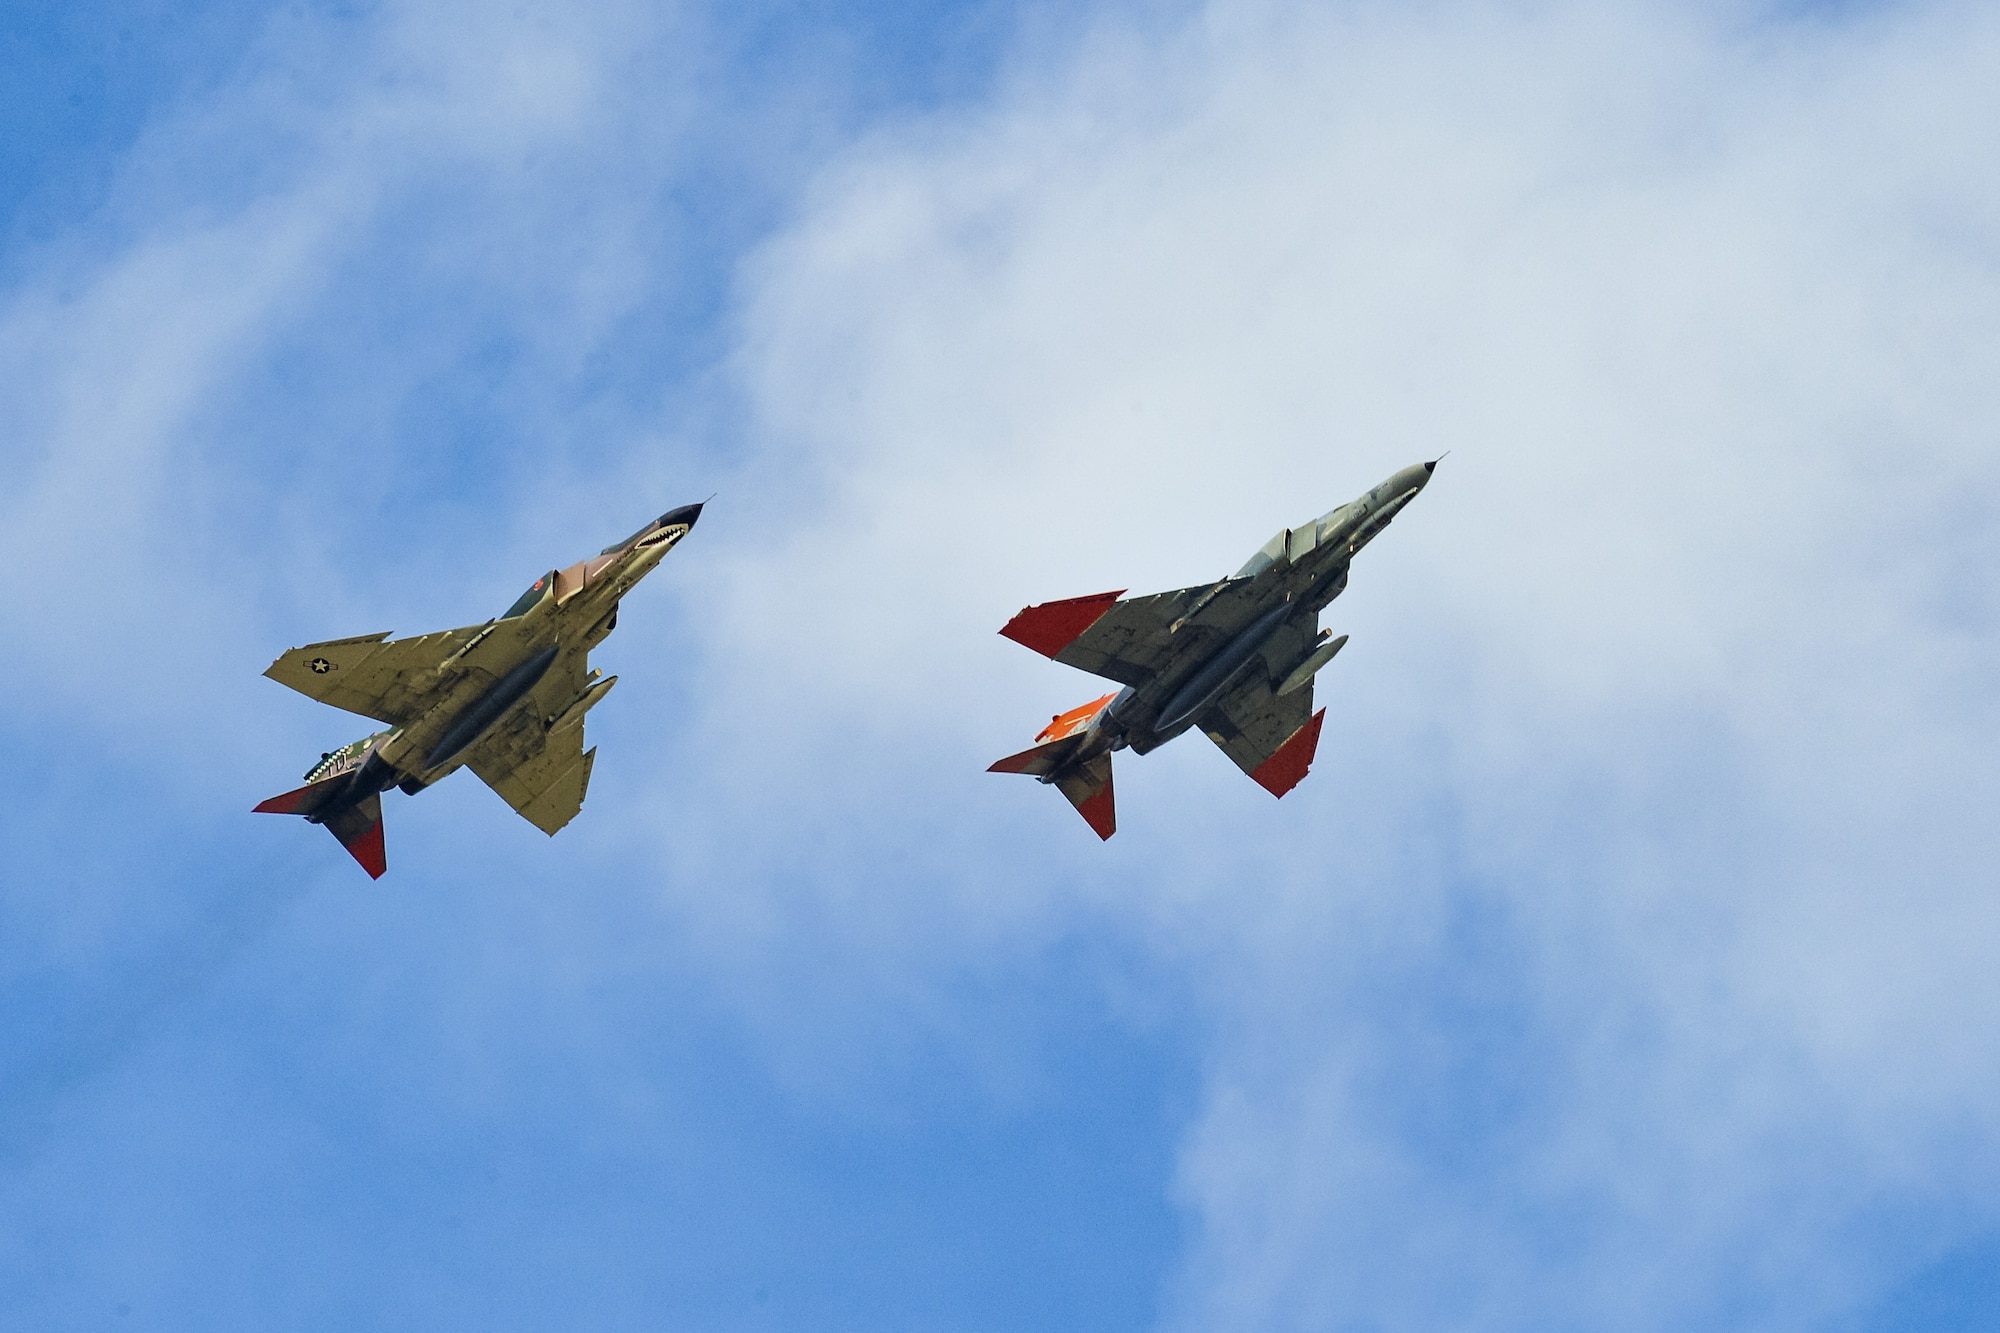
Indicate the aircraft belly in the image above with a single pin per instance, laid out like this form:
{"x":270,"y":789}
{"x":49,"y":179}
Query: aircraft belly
{"x":506,"y":698}
{"x":1214,"y":674}
{"x":1235,"y":657}
{"x":415,"y":742}
{"x":491,"y":706}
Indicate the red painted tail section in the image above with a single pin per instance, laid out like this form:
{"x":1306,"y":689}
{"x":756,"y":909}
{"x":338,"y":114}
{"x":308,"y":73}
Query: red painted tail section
{"x":1089,"y":790}
{"x":359,"y":828}
{"x":1041,"y":760}
{"x":368,"y":850}
{"x":1055,"y":743}
{"x":303,"y":800}
{"x":1087,"y":785}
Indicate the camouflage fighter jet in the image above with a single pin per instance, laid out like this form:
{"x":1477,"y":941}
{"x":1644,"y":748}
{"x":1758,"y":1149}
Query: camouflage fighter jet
{"x":1235,"y":658}
{"x":505,"y":698}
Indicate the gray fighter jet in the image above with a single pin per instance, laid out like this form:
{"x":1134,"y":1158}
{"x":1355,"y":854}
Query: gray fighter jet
{"x":505,"y":698}
{"x":1235,"y":658}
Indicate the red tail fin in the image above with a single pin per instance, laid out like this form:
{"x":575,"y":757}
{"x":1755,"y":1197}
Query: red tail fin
{"x":359,"y":826}
{"x":1087,"y":785}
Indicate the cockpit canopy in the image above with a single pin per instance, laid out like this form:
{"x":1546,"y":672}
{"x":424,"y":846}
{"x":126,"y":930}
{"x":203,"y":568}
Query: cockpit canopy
{"x":1292,"y":543}
{"x":527,"y":600}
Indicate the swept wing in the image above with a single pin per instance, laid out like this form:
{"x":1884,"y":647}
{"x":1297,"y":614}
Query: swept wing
{"x":390,"y":680}
{"x":1133,"y":639}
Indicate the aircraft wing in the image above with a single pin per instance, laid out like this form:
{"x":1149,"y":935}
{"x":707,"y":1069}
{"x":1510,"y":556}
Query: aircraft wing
{"x":542,"y":771}
{"x":387,"y":679}
{"x":1132,"y":639}
{"x":1270,"y":736}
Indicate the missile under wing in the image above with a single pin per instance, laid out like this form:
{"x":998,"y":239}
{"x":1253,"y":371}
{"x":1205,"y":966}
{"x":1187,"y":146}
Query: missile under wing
{"x":1235,"y":658}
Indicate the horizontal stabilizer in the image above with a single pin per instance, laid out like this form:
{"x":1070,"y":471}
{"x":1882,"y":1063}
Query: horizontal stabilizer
{"x":305,"y":800}
{"x":1050,"y":627}
{"x":359,"y":828}
{"x":1038,"y":762}
{"x":1055,"y":743}
{"x":1053,"y":760}
{"x":1089,"y":789}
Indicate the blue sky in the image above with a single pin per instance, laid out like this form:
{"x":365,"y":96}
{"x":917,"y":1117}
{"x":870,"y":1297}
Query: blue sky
{"x":1628,"y":961}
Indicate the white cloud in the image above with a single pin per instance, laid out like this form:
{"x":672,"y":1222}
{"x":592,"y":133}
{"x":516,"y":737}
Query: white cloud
{"x":1630,"y":949}
{"x":375,"y":198}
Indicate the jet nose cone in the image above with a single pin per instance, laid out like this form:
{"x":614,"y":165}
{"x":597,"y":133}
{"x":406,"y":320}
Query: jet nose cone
{"x":1431,"y":466}
{"x":1407,"y":482}
{"x":685,"y":514}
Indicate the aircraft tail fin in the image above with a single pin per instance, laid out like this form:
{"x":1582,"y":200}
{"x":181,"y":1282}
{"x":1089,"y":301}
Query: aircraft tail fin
{"x":1039,"y":762}
{"x":1088,"y":787}
{"x":304,"y":800}
{"x":1053,"y":760}
{"x":358,"y":826}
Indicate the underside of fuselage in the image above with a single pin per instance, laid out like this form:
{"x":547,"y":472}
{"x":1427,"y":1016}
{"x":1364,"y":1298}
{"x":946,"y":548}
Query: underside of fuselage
{"x":1235,"y":658}
{"x":506,"y":698}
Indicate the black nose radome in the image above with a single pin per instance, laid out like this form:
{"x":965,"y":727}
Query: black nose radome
{"x":685,"y":514}
{"x":1431,"y":466}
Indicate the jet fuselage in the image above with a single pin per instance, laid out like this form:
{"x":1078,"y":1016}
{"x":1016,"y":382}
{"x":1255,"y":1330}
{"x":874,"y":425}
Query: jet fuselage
{"x":481,"y":682}
{"x":1296,"y":575}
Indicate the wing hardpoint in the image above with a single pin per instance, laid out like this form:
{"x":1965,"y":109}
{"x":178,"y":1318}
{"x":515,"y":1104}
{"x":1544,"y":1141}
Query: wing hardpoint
{"x":1268,"y":735}
{"x":373,"y":675}
{"x":1132,"y":640}
{"x":541,"y":770}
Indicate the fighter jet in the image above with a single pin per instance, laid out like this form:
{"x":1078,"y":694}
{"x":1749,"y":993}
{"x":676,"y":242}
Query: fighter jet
{"x":505,"y":698}
{"x":1235,"y":657}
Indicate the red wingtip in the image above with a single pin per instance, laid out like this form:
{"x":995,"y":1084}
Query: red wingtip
{"x":368,"y":850}
{"x":1289,"y":762}
{"x":1050,"y":627}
